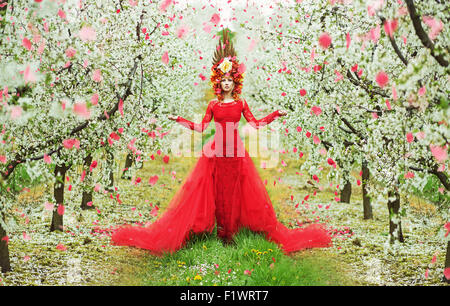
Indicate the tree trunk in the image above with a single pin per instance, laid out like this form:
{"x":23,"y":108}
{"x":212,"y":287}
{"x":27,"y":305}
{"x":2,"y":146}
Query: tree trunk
{"x":58,"y":191}
{"x":447,"y":262}
{"x":395,"y":225}
{"x":87,"y":195}
{"x":367,"y":207}
{"x":4,"y":252}
{"x":110,"y":165}
{"x":128,"y":163}
{"x":346,"y":192}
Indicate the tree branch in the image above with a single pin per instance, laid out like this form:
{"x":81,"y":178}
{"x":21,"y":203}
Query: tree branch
{"x":426,"y":41}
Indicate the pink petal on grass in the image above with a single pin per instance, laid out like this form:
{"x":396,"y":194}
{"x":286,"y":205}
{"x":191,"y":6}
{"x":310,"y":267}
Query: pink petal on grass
{"x":61,"y":247}
{"x":153,"y":179}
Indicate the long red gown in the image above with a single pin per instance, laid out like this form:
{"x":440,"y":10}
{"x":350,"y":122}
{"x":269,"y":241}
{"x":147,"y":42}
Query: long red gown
{"x":223,"y":186}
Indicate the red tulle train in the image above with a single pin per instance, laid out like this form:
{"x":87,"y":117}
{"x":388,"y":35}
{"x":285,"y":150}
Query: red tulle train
{"x":230,"y":191}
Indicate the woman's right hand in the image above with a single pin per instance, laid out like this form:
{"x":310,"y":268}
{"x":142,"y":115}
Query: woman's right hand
{"x":171,"y":117}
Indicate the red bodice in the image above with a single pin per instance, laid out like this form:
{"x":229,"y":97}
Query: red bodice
{"x":226,"y":118}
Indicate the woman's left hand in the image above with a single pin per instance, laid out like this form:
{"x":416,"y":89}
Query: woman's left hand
{"x":282,"y":112}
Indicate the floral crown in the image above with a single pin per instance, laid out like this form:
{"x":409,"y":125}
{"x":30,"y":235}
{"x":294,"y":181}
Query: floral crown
{"x":225,"y":63}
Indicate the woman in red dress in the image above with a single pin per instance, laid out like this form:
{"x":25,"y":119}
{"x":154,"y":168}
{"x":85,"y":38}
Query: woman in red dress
{"x":224,"y":185}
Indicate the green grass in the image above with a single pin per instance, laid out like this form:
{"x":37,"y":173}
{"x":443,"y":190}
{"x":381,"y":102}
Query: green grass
{"x":205,"y":261}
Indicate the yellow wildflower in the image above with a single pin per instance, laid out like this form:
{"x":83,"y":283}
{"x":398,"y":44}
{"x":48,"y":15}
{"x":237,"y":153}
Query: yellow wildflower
{"x":197,"y":277}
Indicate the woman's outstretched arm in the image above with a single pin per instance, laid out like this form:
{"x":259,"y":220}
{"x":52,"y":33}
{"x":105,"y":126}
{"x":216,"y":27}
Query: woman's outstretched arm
{"x":199,"y":127}
{"x":258,"y":123}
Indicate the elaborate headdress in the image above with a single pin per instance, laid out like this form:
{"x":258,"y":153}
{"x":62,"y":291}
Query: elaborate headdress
{"x":226,"y":63}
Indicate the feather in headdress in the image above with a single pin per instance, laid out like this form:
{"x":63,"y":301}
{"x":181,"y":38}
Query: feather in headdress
{"x":225,"y":50}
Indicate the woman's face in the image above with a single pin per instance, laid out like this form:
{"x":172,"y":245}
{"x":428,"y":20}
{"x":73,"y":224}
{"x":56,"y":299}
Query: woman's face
{"x":227,"y":83}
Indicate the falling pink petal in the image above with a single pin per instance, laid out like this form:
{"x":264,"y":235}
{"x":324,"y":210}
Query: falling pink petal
{"x":409,"y":137}
{"x":207,"y":28}
{"x":94,"y":99}
{"x":436,"y":26}
{"x":121,"y":107}
{"x":81,"y":110}
{"x":93,"y":165}
{"x":61,"y":209}
{"x":3,"y":159}
{"x":390,"y":26}
{"x":165,"y":58}
{"x":215,"y":19}
{"x":87,"y":33}
{"x":70,"y":143}
{"x":409,"y":175}
{"x":47,"y":159}
{"x":83,"y":175}
{"x":382,"y":79}
{"x":302,"y":92}
{"x":154,"y":211}
{"x":440,"y":153}
{"x":166,"y":159}
{"x":422,"y":91}
{"x":16,"y":111}
{"x":48,"y":206}
{"x":97,"y":75}
{"x":316,"y":139}
{"x":388,"y":104}
{"x":316,"y":110}
{"x":62,"y":14}
{"x":164,"y":5}
{"x":29,"y":75}
{"x":70,"y":52}
{"x":252,"y":45}
{"x":26,"y":43}
{"x":374,"y":34}
{"x":420,"y":135}
{"x":25,"y":236}
{"x":348,"y":40}
{"x":447,"y":273}
{"x":325,"y":40}
{"x":182,"y":31}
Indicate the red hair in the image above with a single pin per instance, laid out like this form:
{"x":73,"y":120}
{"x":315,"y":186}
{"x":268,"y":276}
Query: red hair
{"x":235,"y":73}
